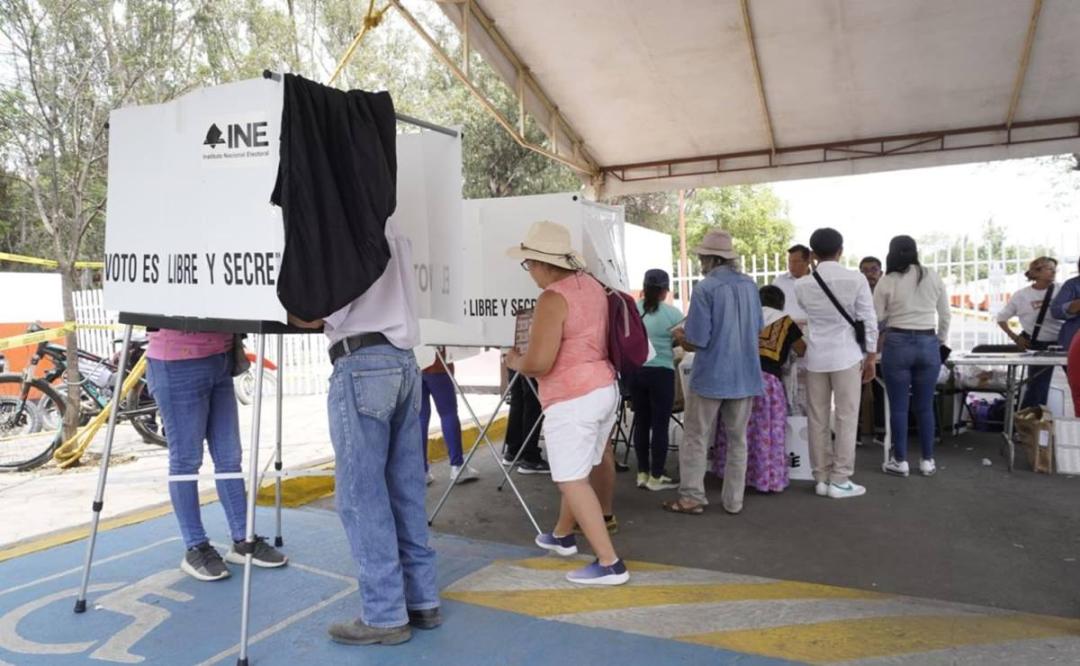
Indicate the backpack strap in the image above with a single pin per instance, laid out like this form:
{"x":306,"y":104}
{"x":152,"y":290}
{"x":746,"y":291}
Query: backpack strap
{"x":1042,"y":312}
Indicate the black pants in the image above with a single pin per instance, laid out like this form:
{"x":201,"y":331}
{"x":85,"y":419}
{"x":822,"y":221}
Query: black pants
{"x":524,"y":412}
{"x":652,"y":392}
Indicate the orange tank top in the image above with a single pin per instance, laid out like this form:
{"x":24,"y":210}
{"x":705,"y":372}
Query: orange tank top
{"x":582,"y":364}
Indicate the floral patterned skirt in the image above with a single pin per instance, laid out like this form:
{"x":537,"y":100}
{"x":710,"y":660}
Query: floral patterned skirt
{"x":766,"y":464}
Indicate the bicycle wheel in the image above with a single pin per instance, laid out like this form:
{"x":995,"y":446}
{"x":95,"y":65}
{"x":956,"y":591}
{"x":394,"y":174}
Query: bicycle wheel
{"x":141,"y":410}
{"x":24,"y":442}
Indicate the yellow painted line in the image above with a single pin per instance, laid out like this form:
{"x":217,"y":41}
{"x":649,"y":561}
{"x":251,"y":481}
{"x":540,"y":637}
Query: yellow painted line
{"x":560,"y":564}
{"x":79,"y":533}
{"x":846,"y":640}
{"x":298,"y":491}
{"x":545,"y":603}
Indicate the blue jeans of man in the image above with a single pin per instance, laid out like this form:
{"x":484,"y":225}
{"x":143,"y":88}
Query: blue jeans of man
{"x":196,"y":401}
{"x":374,"y":406}
{"x":910,"y":362}
{"x":439,"y":386}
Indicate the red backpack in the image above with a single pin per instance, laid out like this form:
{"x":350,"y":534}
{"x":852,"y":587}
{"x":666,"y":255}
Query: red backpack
{"x":628,"y":342}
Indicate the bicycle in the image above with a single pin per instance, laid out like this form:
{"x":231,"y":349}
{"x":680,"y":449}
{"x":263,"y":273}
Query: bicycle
{"x":32,"y":408}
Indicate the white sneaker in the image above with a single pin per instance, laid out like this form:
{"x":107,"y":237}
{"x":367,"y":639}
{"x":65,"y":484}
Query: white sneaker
{"x":821,"y":489}
{"x":461,"y":474}
{"x":660,"y":483}
{"x":927,"y":467}
{"x":430,"y":478}
{"x":846,"y":490}
{"x":642,"y":479}
{"x":896,"y":467}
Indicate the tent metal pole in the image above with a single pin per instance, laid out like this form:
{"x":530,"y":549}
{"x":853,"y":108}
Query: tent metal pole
{"x":248,"y":546}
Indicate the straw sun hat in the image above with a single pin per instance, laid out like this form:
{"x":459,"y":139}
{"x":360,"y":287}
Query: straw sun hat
{"x":549,"y":243}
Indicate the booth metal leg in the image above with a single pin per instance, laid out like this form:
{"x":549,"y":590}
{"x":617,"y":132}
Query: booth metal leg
{"x":103,"y":472}
{"x":886,"y":444}
{"x":482,"y":437}
{"x":1010,"y":413}
{"x":278,"y":540}
{"x":514,"y":463}
{"x":252,"y":491}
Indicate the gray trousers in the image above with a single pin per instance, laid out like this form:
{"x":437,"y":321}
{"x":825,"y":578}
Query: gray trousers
{"x":700,"y":419}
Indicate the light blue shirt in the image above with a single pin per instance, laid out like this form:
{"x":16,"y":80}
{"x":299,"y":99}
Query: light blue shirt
{"x":723,"y":324}
{"x":658,"y":325}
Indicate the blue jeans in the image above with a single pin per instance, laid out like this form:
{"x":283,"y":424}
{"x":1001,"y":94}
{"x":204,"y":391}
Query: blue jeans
{"x":440,"y":387}
{"x":374,"y":406}
{"x":910,"y":364}
{"x":196,"y":401}
{"x":1038,"y":385}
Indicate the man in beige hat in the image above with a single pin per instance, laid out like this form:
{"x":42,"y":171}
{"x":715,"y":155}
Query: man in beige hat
{"x":722,"y":328}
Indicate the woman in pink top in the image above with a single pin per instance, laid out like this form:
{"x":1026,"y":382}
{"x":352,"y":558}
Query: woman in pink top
{"x":191,"y":379}
{"x":568,"y":355}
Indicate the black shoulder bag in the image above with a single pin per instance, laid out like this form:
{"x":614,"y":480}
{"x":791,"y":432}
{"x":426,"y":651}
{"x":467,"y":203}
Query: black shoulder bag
{"x":859,"y":326}
{"x":1034,"y":337}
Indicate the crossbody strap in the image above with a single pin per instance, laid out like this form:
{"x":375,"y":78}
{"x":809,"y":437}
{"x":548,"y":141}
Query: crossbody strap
{"x":1042,"y":312}
{"x":836,"y":303}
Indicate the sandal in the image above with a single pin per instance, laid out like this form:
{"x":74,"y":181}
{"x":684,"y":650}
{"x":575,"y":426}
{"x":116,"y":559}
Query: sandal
{"x":677,"y":506}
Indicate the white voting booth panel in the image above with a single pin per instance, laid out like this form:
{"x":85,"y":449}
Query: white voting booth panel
{"x":645,"y":249}
{"x":30,"y":297}
{"x":190,"y":230}
{"x":496,"y":287}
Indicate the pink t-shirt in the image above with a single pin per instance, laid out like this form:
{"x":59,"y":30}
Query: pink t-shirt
{"x":170,"y":345}
{"x":582,"y":364}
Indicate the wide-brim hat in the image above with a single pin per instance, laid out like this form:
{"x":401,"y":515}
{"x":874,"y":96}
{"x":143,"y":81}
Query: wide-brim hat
{"x":549,"y":243}
{"x":717,"y":243}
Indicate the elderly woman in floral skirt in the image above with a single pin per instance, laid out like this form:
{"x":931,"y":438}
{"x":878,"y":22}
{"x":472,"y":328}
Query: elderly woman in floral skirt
{"x":766,"y":466}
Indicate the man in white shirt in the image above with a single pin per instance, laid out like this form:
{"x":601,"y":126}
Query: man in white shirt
{"x":836,"y":364}
{"x":798,"y":262}
{"x":374,"y":406}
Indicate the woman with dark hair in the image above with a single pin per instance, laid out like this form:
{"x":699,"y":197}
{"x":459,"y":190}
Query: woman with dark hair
{"x":913,"y":310}
{"x":1066,"y":307}
{"x":652,"y":387}
{"x":1031,"y":305}
{"x":766,"y":432}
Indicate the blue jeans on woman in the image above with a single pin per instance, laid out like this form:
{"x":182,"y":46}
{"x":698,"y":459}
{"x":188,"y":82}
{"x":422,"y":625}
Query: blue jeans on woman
{"x":439,"y":386}
{"x":374,"y":409}
{"x":910,"y":363}
{"x":196,"y":401}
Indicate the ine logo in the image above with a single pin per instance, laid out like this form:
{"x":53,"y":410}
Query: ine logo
{"x":236,"y":142}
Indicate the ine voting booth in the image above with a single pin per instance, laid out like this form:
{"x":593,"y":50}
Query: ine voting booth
{"x":193,"y":243}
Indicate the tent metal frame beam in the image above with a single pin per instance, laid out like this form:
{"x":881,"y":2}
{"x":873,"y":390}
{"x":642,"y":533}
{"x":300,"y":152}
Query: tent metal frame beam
{"x":968,"y":138}
{"x":579,"y":159}
{"x":1025,"y":58}
{"x":758,"y":80}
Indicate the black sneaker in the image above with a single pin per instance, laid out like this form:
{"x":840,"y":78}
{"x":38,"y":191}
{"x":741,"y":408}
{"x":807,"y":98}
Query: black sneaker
{"x":534,"y":467}
{"x":203,"y":562}
{"x":428,"y":618}
{"x":265,"y":555}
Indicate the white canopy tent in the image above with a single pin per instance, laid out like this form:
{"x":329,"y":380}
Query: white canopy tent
{"x":642,"y":95}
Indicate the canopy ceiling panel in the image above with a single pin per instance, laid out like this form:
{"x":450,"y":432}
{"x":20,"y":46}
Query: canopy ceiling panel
{"x":666,"y":94}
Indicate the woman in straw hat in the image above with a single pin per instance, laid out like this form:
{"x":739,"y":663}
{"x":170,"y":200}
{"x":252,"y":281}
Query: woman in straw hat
{"x":568,"y":355}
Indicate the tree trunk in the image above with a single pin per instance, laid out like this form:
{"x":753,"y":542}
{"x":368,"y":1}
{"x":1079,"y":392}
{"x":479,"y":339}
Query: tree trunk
{"x":71,"y":413}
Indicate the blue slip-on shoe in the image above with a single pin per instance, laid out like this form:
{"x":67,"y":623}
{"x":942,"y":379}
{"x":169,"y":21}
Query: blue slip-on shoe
{"x":598,"y":574}
{"x":565,"y":546}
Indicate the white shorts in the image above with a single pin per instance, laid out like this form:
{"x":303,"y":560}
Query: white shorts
{"x":576,"y":432}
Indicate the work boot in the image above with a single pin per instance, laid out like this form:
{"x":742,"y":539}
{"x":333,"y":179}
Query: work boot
{"x":429,"y":618}
{"x":355,"y":632}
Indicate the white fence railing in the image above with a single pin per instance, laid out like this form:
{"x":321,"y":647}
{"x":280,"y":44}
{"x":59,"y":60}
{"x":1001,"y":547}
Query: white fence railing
{"x":979,"y":285}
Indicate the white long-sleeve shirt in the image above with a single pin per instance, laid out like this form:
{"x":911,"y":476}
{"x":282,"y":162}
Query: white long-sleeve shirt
{"x":786,"y":284}
{"x":830,"y":341}
{"x":903,"y":301}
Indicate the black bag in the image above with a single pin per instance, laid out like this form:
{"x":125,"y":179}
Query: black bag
{"x":241,"y":363}
{"x":859,"y":326}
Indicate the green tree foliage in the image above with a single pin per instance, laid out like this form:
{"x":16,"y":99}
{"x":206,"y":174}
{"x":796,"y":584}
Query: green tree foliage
{"x":976,"y":255}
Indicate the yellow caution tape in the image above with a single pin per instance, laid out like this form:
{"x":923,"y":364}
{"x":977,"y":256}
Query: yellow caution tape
{"x":28,"y":339}
{"x":48,"y":263}
{"x":70,"y":452}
